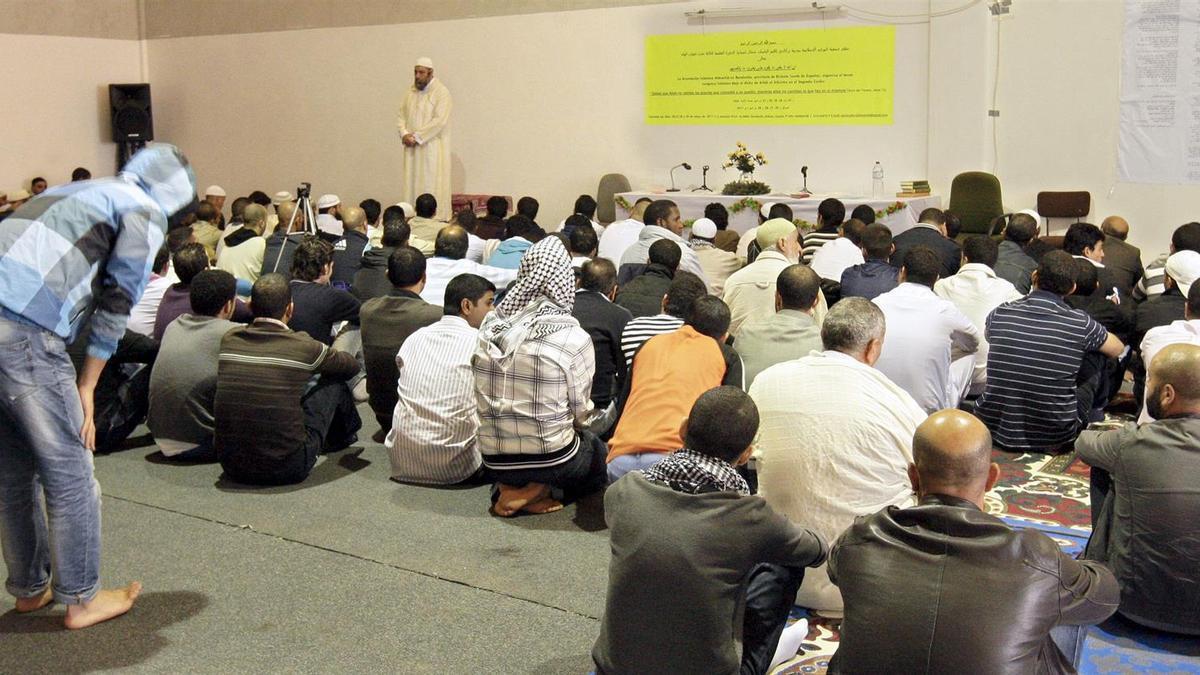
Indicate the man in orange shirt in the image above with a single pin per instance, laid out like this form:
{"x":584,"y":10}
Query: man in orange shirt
{"x":669,"y":373}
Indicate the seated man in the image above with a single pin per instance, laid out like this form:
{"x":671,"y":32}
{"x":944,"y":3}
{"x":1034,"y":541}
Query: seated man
{"x":1123,"y":260}
{"x":423,"y":224}
{"x":143,"y":313}
{"x":271,"y":419}
{"x":622,"y":234}
{"x":582,"y":242}
{"x":952,"y":589}
{"x":371,"y":279}
{"x":348,"y":251}
{"x":836,"y":435}
{"x":1185,"y":331}
{"x":1144,"y":500}
{"x":281,"y":245}
{"x":789,"y":333}
{"x":450,"y":260}
{"x":190,"y":260}
{"x":835,"y":257}
{"x":242,"y":254}
{"x":432,"y":436}
{"x":876,"y":275}
{"x":930,"y":346}
{"x":831,"y":213}
{"x":1013,"y":262}
{"x":674,"y":602}
{"x":643,"y":295}
{"x":1179,"y":273}
{"x":519,"y":236}
{"x":1039,"y":394}
{"x":717,"y":263}
{"x":931,"y":232}
{"x":976,"y":290}
{"x":683,"y":292}
{"x":533,"y":372}
{"x":491,"y":225}
{"x":1186,"y":237}
{"x":604,"y":322}
{"x":205,"y":228}
{"x":318,"y":306}
{"x":183,"y":383}
{"x":387,"y":322}
{"x":668,"y":374}
{"x":750,"y":291}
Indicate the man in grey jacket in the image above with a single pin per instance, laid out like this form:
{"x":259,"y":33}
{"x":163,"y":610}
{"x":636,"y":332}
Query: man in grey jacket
{"x":1144,"y":500}
{"x":699,"y":565}
{"x":950,"y":589}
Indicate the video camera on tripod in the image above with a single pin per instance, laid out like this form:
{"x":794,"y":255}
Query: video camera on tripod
{"x":308,"y":221}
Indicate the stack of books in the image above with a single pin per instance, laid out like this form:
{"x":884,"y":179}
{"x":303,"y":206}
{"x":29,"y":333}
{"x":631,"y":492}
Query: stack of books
{"x":914,"y":188}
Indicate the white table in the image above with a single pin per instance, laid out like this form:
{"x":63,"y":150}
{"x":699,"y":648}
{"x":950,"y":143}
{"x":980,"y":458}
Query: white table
{"x":691,"y":206}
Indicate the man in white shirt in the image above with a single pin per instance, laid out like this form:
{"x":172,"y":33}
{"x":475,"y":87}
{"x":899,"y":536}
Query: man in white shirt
{"x":327,"y":215}
{"x":242,"y":255}
{"x":622,"y":234}
{"x":717,"y":264}
{"x":432,"y":439}
{"x":976,"y":290}
{"x":449,"y":260}
{"x":1186,"y":331}
{"x":844,"y":252}
{"x":930,"y":346}
{"x":743,"y":247}
{"x":750,"y":292}
{"x":835,"y":439}
{"x":141,"y":316}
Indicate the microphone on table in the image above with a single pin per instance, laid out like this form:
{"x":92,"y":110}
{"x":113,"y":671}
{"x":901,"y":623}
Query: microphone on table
{"x":686,"y":167}
{"x":804,"y":172}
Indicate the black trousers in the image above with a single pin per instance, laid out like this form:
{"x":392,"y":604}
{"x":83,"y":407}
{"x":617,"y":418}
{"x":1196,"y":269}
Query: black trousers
{"x":580,"y":476}
{"x":770,"y":593}
{"x":330,"y":422}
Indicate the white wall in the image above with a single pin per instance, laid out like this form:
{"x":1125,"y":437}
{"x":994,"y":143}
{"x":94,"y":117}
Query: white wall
{"x":56,"y":116}
{"x":544,"y":105}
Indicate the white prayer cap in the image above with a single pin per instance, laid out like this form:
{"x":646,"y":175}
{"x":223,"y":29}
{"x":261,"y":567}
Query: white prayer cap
{"x":408,"y":209}
{"x":704,"y":228}
{"x":281,"y":197}
{"x":425,"y":62}
{"x":328,"y":201}
{"x":214,"y":191}
{"x":765,"y":209}
{"x":1184,"y":268}
{"x":1032,"y":214}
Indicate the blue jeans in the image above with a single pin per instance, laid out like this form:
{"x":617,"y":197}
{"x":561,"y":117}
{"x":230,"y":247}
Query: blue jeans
{"x":45,"y":471}
{"x":623,"y":464}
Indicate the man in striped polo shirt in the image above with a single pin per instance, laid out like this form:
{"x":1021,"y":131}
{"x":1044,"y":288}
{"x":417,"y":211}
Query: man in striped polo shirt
{"x":1044,"y":363}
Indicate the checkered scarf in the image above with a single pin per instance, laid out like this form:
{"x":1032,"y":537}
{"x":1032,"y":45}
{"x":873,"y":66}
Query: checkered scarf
{"x":543,"y":293}
{"x":692,"y":473}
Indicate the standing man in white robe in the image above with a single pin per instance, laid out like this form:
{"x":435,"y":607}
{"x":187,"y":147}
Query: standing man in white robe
{"x":425,"y":132}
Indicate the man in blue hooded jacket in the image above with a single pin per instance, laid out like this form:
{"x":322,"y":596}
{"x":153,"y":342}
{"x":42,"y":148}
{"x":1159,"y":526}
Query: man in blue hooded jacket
{"x":79,"y":255}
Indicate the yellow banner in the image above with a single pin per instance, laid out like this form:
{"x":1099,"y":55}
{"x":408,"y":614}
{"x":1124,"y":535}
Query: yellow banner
{"x":818,"y":76}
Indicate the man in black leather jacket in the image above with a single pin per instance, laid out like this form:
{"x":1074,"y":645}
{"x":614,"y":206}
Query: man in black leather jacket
{"x":948,"y":588}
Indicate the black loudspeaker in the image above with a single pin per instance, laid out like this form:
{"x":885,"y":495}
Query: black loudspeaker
{"x":131,"y":118}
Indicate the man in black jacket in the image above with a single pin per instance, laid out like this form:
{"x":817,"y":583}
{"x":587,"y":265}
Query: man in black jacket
{"x":348,"y":251}
{"x":643,"y":295}
{"x":931,"y":232}
{"x":963,"y":591}
{"x":604,"y":322}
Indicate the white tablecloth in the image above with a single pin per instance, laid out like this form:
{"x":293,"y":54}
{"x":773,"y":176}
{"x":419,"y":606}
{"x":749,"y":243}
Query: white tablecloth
{"x":691,"y":207}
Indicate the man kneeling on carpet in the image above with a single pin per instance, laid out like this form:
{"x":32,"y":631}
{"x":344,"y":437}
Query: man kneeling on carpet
{"x":696,"y":560}
{"x":281,"y":396}
{"x":533,"y":371}
{"x":943,"y":587}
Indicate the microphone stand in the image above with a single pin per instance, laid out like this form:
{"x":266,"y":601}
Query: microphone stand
{"x":703,"y":180}
{"x":686,"y":166}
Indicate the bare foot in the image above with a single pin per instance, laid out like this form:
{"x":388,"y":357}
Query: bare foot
{"x":543,"y":505}
{"x":513,"y":499}
{"x":106,"y":605}
{"x":36,"y":602}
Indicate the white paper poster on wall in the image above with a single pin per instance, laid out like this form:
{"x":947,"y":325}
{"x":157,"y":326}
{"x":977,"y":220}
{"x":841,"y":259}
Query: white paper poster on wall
{"x":1159,"y":139}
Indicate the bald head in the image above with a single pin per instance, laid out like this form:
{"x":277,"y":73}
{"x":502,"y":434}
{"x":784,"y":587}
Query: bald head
{"x":255,"y":217}
{"x":286,"y":210}
{"x":451,"y":242}
{"x":1115,"y":226}
{"x":1173,"y":386}
{"x":354,"y":218}
{"x":952,"y":455}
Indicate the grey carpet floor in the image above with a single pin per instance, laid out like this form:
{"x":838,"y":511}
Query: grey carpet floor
{"x":347,"y":572}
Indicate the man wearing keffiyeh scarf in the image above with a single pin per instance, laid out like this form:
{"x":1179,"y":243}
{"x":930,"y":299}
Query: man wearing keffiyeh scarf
{"x":533,"y":376}
{"x":700,"y":568}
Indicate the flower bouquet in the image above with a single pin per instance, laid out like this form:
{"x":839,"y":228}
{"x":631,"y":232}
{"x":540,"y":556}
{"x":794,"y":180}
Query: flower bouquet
{"x":746,"y":163}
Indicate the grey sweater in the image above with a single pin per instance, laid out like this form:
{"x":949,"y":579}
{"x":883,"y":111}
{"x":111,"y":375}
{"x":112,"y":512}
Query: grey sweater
{"x":676,"y":581}
{"x":184,"y":382}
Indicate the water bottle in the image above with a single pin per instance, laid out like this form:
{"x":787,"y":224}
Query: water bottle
{"x":877,"y":181}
